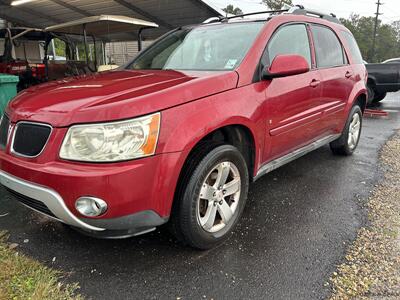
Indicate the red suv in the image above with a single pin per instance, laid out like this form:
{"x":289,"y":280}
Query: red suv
{"x":178,"y":134}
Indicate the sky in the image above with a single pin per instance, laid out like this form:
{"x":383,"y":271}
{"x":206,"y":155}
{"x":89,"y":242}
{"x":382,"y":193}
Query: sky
{"x":342,"y":8}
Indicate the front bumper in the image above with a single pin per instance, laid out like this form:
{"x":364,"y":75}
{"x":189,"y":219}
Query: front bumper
{"x":47,"y":201}
{"x":139,"y":193}
{"x":50,"y":198}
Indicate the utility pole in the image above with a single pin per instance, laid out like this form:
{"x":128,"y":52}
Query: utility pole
{"x":377,"y":14}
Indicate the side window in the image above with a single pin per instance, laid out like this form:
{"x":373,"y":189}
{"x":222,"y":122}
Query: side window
{"x":353,"y":47}
{"x":291,"y":39}
{"x":328,"y":49}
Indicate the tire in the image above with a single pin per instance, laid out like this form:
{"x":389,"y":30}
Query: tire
{"x":379,"y":97}
{"x":348,"y":141}
{"x":202,"y":223}
{"x":371,"y":93}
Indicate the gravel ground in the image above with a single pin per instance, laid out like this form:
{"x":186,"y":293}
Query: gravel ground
{"x":372,"y":267}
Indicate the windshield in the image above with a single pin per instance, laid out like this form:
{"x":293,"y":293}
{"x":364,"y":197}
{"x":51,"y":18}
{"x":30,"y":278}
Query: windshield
{"x":209,"y":47}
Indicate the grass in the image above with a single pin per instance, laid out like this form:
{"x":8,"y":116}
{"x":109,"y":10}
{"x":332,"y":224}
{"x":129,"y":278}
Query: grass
{"x":23,"y":278}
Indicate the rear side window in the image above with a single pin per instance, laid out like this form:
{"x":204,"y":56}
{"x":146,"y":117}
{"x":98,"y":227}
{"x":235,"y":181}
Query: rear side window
{"x":353,"y":47}
{"x":328,"y":49}
{"x":290,"y":39}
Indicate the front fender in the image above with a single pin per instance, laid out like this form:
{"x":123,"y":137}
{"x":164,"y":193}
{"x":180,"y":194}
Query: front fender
{"x":182,"y":127}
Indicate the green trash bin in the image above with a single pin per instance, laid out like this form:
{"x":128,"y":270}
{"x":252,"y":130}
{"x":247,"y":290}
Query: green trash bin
{"x":8,"y":90}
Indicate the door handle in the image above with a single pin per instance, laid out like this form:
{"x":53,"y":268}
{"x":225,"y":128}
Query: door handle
{"x":348,"y":74}
{"x":314,"y":83}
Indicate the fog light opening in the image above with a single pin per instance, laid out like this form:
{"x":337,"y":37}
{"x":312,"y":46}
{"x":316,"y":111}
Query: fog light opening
{"x":90,"y":206}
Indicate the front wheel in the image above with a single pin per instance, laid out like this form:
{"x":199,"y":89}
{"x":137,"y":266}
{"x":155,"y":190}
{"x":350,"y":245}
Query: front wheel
{"x":348,"y":141}
{"x":213,"y":198}
{"x":370,"y":93}
{"x":379,"y":97}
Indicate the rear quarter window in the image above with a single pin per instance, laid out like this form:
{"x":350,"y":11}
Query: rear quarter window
{"x":328,"y":49}
{"x":353,"y":47}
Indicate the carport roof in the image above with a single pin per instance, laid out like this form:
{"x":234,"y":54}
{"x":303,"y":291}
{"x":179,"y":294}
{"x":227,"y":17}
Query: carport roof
{"x":101,"y":25}
{"x":168,"y":14}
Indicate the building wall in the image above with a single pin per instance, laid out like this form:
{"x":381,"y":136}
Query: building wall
{"x":34,"y":51}
{"x":120,"y":53}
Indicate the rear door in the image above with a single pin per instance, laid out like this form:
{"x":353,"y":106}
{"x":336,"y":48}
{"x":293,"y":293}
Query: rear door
{"x":291,"y":102}
{"x":337,"y":75}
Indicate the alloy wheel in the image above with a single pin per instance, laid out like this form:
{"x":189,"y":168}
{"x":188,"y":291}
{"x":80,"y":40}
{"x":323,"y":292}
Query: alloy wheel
{"x":354,"y":131}
{"x":219,"y":197}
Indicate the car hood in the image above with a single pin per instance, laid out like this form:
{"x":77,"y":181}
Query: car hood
{"x":114,"y":95}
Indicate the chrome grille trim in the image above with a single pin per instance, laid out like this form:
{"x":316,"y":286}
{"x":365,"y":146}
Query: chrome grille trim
{"x":5,"y":131}
{"x":32,"y":123}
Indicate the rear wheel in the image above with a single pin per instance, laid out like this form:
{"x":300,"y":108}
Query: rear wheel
{"x":348,"y":141}
{"x":212,"y":198}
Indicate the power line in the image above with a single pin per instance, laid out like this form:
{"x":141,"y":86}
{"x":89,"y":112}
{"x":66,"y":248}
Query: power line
{"x":377,"y":14}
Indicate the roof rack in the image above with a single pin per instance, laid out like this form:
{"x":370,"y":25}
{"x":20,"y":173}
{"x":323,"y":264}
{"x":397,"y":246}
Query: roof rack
{"x":295,"y":10}
{"x":225,"y":19}
{"x":300,"y":10}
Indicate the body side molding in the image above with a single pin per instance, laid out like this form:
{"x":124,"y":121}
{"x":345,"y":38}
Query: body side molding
{"x":272,"y":165}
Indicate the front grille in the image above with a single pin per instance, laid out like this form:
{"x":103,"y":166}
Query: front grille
{"x":32,"y":203}
{"x":4,"y":128}
{"x":30,"y":138}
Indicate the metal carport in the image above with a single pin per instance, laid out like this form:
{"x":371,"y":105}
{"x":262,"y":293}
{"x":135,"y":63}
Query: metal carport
{"x":167,"y":14}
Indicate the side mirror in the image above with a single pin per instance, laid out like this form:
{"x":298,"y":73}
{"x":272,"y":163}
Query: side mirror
{"x":286,"y":65}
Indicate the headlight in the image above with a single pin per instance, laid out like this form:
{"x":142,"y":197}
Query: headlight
{"x":114,"y":141}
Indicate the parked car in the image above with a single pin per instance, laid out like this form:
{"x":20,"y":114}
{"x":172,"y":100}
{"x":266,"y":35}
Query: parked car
{"x":382,"y":79}
{"x":180,"y":133}
{"x":392,"y":61}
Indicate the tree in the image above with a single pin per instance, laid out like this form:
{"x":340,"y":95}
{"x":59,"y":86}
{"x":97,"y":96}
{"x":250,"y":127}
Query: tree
{"x":277,"y":4}
{"x":59,"y":46}
{"x":387,"y":40}
{"x":396,"y":26}
{"x":233,"y":10}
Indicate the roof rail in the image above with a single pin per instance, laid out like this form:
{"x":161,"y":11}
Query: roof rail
{"x":300,"y":10}
{"x":225,"y":19}
{"x":296,"y":10}
{"x":212,"y":20}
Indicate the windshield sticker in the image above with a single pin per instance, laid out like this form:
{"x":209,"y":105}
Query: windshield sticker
{"x":230,"y":63}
